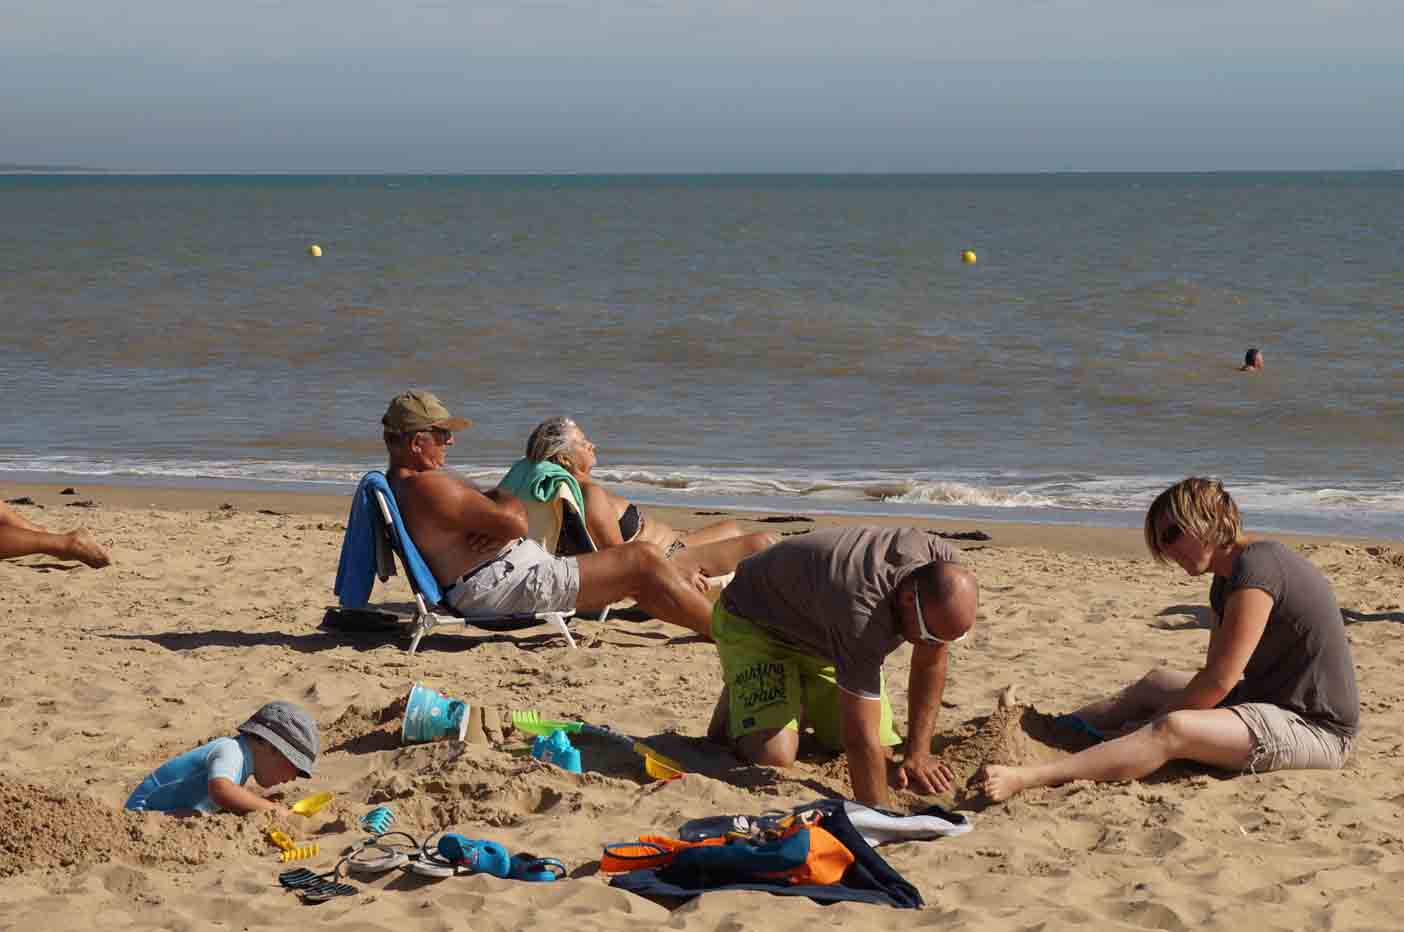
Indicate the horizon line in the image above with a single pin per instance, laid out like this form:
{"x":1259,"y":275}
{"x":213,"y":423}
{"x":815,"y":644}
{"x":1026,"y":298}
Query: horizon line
{"x":715,"y":173}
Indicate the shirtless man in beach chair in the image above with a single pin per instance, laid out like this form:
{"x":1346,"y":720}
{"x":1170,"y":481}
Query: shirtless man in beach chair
{"x":475,"y":542}
{"x":20,"y":537}
{"x":803,"y":631}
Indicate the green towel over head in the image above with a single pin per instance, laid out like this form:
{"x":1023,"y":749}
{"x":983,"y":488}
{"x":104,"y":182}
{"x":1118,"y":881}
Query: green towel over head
{"x":538,"y":482}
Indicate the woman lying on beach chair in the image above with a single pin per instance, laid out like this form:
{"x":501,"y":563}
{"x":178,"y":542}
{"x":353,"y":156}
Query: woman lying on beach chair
{"x":1277,"y":690}
{"x":713,"y":550}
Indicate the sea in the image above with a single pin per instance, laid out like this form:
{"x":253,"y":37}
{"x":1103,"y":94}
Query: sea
{"x":797,"y":343}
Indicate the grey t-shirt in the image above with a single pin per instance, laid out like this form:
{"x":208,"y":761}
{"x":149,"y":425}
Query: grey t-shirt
{"x":829,"y":593}
{"x":1303,"y":661}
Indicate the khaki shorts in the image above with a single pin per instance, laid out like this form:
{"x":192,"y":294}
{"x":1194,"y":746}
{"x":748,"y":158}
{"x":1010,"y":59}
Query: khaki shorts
{"x":524,"y":579}
{"x":1283,"y":740}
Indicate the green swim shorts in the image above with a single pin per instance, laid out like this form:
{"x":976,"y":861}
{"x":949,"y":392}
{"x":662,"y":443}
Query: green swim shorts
{"x":773,"y":685}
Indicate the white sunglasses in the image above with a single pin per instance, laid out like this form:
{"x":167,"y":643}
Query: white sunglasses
{"x":926,"y":634}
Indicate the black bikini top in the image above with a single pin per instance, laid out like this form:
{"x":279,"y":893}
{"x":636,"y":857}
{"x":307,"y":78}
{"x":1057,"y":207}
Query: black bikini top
{"x":575,"y":540}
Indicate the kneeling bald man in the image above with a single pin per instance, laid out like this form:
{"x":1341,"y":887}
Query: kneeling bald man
{"x":803,"y":631}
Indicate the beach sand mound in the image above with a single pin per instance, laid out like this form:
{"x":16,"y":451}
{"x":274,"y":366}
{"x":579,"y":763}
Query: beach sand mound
{"x":47,"y":828}
{"x":1014,"y":734}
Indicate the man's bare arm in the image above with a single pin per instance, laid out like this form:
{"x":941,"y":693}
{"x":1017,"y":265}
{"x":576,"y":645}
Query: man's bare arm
{"x":859,"y":721}
{"x":926,"y":684}
{"x":457,"y":504}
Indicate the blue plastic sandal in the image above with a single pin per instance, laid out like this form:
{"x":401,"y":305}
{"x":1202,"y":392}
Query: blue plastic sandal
{"x":538,"y":870}
{"x":475,"y":855}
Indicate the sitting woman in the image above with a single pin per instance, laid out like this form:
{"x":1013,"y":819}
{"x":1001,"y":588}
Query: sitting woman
{"x":1277,"y":690}
{"x":713,"y":550}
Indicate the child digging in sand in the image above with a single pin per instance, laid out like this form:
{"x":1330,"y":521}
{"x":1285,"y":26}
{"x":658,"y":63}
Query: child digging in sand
{"x":277,"y":743}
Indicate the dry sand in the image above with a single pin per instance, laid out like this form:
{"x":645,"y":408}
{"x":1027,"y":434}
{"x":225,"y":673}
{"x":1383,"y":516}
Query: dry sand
{"x":207,"y":612}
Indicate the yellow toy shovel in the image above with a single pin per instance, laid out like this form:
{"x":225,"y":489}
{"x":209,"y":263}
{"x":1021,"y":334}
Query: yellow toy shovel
{"x":313,"y":804}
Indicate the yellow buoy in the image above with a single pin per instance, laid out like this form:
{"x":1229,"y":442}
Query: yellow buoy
{"x":314,"y":251}
{"x":968,"y":257}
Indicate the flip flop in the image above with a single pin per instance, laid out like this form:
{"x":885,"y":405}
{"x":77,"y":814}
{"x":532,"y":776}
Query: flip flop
{"x":325,"y":890}
{"x":429,"y":863}
{"x":714,"y":827}
{"x":314,"y":887}
{"x":376,"y":855}
{"x":300,"y":877}
{"x":537,"y":870}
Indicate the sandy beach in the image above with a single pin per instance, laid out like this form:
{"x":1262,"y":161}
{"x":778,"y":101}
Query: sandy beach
{"x":212,"y":607}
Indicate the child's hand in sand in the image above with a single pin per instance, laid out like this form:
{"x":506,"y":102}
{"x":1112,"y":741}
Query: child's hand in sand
{"x":279,"y":816}
{"x":923,"y":773}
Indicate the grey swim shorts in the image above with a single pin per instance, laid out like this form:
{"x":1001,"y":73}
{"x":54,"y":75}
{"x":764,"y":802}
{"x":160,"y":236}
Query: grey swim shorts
{"x":1283,"y":740}
{"x":523,"y":579}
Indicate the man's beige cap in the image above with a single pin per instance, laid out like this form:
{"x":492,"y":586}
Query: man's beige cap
{"x":416,"y":410}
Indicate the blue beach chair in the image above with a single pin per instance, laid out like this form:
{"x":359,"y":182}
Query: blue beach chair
{"x":374,"y":525}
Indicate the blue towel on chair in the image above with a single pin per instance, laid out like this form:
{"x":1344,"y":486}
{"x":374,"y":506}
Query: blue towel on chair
{"x":355,"y":574}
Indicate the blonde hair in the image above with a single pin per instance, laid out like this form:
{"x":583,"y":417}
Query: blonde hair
{"x":1199,"y":506}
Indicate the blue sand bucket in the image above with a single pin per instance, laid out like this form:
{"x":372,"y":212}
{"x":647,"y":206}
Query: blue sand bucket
{"x":430,"y":716}
{"x":557,"y":750}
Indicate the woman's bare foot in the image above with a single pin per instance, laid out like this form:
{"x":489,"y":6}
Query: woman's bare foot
{"x":83,"y":547}
{"x":998,"y":782}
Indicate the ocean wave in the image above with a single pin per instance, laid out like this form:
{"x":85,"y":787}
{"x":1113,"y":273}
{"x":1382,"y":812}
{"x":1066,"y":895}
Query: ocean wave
{"x":842,"y":490}
{"x":957,"y":493}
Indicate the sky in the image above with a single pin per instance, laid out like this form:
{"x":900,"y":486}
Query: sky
{"x":721,"y":86}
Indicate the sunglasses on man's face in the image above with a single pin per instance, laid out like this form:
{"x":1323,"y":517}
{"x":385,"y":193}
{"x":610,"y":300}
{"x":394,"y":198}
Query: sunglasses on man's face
{"x":441,"y":435}
{"x":1171,"y":534}
{"x":926,"y":634}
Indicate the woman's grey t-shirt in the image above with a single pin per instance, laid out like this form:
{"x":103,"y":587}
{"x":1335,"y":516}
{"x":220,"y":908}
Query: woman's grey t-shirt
{"x":829,"y":593}
{"x":1303,"y":662}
